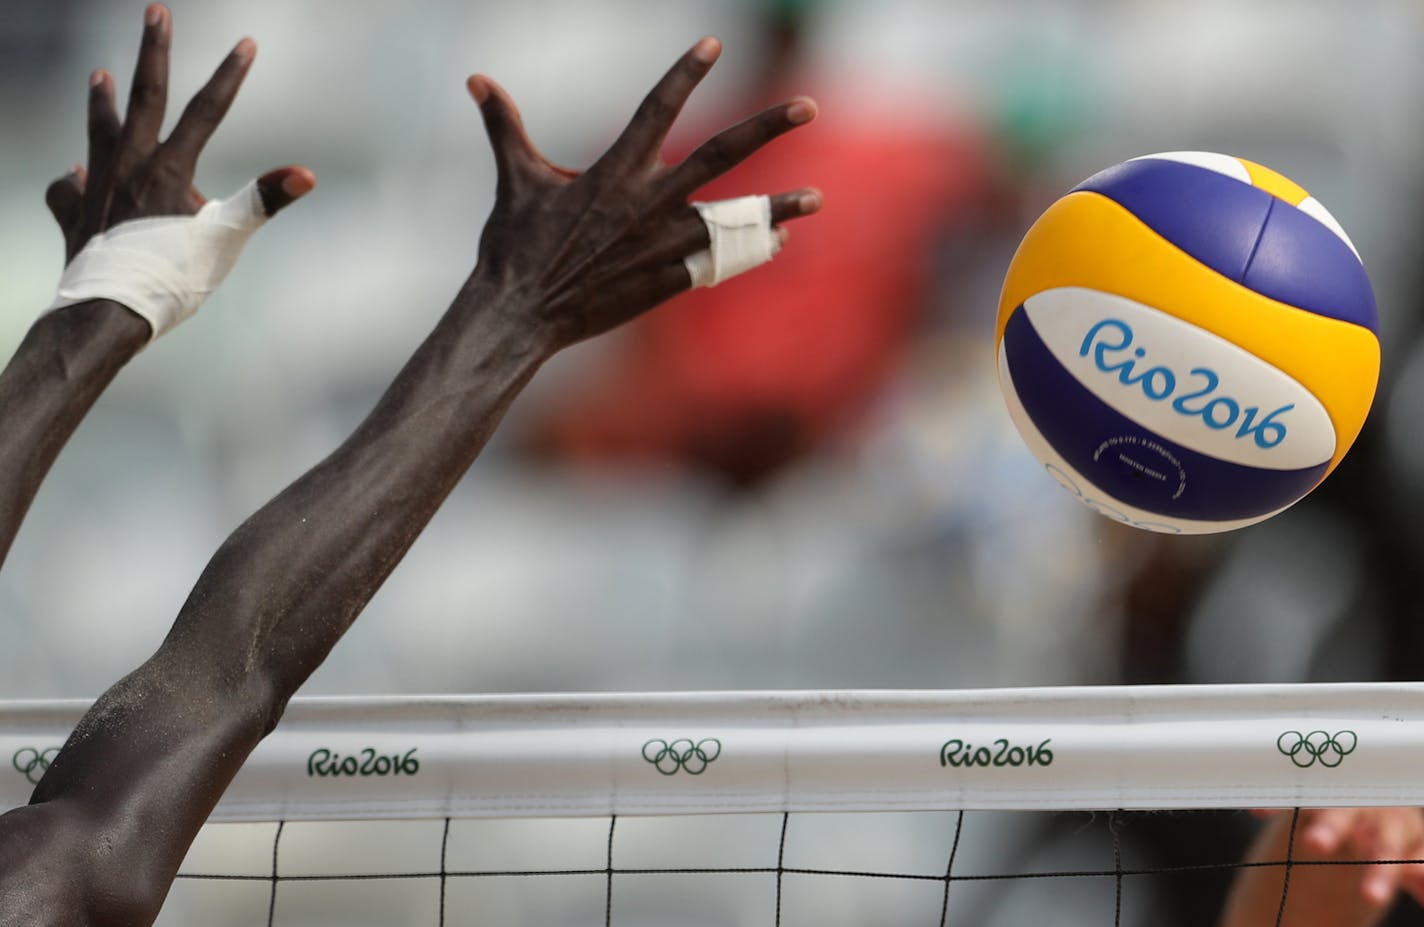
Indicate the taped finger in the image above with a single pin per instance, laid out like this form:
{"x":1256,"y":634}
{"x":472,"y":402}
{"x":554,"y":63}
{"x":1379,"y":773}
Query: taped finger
{"x":283,"y":187}
{"x":163,"y":268}
{"x":740,"y":237}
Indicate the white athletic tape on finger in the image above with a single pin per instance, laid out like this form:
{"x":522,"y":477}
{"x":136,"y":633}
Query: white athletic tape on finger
{"x":740,"y":236}
{"x":163,"y":268}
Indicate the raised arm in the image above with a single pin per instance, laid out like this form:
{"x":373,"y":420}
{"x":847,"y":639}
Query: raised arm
{"x":564,"y":256}
{"x":71,"y":354}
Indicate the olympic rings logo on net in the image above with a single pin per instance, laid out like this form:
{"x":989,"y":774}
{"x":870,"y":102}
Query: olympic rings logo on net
{"x":1305,"y":750}
{"x":31,"y":762}
{"x":682,"y":754}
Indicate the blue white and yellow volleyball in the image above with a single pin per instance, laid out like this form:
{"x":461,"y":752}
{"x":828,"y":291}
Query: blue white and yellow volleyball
{"x":1188,"y":342}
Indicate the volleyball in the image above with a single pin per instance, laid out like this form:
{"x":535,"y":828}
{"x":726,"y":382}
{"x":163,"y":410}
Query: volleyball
{"x":1188,"y":342}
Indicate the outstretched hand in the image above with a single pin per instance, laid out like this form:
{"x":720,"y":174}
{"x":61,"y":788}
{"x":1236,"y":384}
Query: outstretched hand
{"x":597,"y":248}
{"x":1332,"y":893}
{"x":131,"y":174}
{"x":1370,"y":833}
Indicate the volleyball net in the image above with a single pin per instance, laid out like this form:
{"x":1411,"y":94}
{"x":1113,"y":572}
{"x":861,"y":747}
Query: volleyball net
{"x":1093,"y":806}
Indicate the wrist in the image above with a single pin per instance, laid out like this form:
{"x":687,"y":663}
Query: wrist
{"x":497,"y":312}
{"x":96,"y":328}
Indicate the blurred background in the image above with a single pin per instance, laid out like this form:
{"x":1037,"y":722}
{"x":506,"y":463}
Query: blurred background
{"x":804,"y":478}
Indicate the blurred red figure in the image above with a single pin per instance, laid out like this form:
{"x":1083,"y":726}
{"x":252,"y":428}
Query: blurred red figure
{"x":748,"y":377}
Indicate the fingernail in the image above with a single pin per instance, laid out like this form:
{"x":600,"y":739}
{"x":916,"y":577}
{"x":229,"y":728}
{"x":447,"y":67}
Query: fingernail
{"x":707,"y":50}
{"x":295,"y":185}
{"x":96,"y":78}
{"x":810,"y":202}
{"x":154,"y":15}
{"x":478,"y":89}
{"x":245,"y":51}
{"x":801,"y":111}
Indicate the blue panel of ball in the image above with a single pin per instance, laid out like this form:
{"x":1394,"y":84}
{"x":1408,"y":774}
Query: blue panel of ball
{"x":1214,"y":218}
{"x":1300,"y":262}
{"x":1245,"y":234}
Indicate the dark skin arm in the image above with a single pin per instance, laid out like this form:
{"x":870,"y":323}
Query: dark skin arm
{"x":564,"y":256}
{"x":68,"y":357}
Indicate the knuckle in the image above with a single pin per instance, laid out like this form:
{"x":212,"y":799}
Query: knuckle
{"x":203,"y":109}
{"x":204,"y":104}
{"x":655,"y":108}
{"x":719,"y":151}
{"x":147,"y":90}
{"x":170,"y":172}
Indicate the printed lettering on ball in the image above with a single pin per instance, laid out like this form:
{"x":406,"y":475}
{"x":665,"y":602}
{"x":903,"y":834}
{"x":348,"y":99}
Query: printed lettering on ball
{"x":1188,"y":342}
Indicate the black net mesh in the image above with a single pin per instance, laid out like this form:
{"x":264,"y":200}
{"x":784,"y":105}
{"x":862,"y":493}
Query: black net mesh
{"x":930,"y":868}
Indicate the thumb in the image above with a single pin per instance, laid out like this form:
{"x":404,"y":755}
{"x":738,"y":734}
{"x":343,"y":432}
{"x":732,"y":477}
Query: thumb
{"x":64,"y":197}
{"x":513,"y":151}
{"x":282,"y":187}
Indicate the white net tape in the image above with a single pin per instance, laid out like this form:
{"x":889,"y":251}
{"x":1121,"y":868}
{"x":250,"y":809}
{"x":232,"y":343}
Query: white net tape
{"x":687,"y":753}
